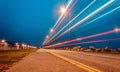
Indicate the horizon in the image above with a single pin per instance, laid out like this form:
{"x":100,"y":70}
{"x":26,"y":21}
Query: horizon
{"x":31,"y":22}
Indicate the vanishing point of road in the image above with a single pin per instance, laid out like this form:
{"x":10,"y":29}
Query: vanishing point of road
{"x":45,"y":60}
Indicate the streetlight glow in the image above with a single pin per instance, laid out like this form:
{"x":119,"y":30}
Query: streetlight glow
{"x":117,"y":30}
{"x":52,"y":30}
{"x":47,"y":37}
{"x":62,"y":10}
{"x":3,"y":41}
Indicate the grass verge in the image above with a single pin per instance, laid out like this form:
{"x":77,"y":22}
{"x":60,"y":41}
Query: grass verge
{"x":8,"y":57}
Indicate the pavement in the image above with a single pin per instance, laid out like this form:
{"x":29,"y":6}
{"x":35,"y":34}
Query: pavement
{"x":43,"y":61}
{"x":100,"y":61}
{"x":67,"y":61}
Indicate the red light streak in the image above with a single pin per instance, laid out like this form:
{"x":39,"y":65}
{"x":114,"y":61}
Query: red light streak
{"x":95,"y":41}
{"x":87,"y":37}
{"x":65,"y":15}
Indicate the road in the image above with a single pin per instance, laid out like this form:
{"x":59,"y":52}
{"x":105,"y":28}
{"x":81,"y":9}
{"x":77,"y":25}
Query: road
{"x":43,"y":61}
{"x":64,"y":61}
{"x":100,"y":61}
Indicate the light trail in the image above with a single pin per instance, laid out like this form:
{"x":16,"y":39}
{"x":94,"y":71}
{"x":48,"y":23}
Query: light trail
{"x":65,"y":15}
{"x":102,"y":15}
{"x":87,"y":37}
{"x":73,"y":19}
{"x":85,"y":19}
{"x":89,"y":42}
{"x":97,"y":17}
{"x":62,"y":17}
{"x":67,"y":6}
{"x":67,"y":10}
{"x":105,"y":14}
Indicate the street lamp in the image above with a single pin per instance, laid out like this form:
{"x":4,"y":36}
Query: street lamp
{"x":52,"y":30}
{"x":117,"y":30}
{"x":47,"y":37}
{"x":62,"y":10}
{"x":3,"y":41}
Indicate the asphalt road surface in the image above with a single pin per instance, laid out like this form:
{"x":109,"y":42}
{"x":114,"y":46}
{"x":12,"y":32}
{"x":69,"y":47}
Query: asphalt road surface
{"x":44,"y":61}
{"x":100,"y":61}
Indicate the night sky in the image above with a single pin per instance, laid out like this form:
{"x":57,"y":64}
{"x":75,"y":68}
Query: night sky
{"x":29,"y":21}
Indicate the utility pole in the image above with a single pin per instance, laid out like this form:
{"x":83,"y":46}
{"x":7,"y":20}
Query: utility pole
{"x":69,"y":27}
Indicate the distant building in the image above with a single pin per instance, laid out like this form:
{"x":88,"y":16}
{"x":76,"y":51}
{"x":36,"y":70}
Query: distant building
{"x":77,"y":48}
{"x":92,"y":48}
{"x":17,"y":46}
{"x":3,"y":45}
{"x":118,"y":49}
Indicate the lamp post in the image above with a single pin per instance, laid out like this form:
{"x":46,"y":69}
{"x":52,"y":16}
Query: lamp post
{"x":69,"y":27}
{"x":52,"y":30}
{"x":63,"y":11}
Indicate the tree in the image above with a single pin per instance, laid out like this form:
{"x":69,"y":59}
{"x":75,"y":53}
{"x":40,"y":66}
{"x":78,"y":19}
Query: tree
{"x":107,"y":49}
{"x":118,"y":49}
{"x":76,"y":48}
{"x":92,"y":48}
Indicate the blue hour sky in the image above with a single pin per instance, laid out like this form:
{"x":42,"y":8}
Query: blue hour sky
{"x":29,"y":21}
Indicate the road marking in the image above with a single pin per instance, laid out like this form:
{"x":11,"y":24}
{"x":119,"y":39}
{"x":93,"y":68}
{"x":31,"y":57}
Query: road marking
{"x":78,"y":64}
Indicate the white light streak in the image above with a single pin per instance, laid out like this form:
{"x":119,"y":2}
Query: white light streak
{"x":68,"y":5}
{"x":104,"y":14}
{"x":73,"y":19}
{"x":86,"y":18}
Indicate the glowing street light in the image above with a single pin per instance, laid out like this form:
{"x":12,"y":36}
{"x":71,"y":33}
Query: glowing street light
{"x":23,"y":45}
{"x":16,"y":44}
{"x":52,"y":30}
{"x":47,"y":37}
{"x":79,"y":39}
{"x":62,"y":10}
{"x":3,"y":41}
{"x":117,"y":30}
